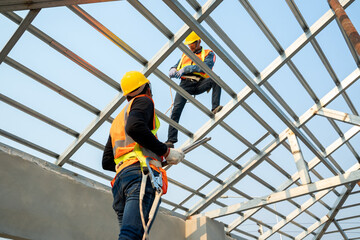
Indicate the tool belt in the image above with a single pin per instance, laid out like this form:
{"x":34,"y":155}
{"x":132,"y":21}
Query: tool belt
{"x":192,"y":78}
{"x":153,"y":162}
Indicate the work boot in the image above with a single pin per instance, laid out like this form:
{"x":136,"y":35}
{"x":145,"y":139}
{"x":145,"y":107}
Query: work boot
{"x":217,"y":109}
{"x":169,"y":144}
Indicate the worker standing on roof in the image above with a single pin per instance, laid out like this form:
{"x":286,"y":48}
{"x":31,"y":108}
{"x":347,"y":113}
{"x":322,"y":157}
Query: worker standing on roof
{"x":132,"y":140}
{"x":193,"y":80}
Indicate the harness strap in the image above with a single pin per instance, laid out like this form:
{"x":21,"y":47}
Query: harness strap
{"x":152,"y":214}
{"x":157,"y":184}
{"x":141,"y":197}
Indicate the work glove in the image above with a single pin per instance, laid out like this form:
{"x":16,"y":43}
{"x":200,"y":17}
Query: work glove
{"x":180,"y":73}
{"x":174,"y":156}
{"x":172,"y":73}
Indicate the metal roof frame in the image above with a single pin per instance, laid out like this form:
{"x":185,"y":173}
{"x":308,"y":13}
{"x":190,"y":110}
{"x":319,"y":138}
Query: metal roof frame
{"x":297,"y":184}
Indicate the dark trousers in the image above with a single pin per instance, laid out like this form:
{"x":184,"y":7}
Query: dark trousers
{"x":126,"y":191}
{"x":193,"y":88}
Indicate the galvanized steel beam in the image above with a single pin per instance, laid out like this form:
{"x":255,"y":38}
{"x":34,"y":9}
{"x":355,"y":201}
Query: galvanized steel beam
{"x":108,"y":34}
{"x":341,"y":231}
{"x":351,"y":205}
{"x":337,"y":115}
{"x":345,"y":230}
{"x":18,"y":33}
{"x":351,"y":217}
{"x":335,"y":209}
{"x":294,"y":214}
{"x":312,"y":228}
{"x":342,"y":179}
{"x":15,"y":5}
{"x":300,"y":162}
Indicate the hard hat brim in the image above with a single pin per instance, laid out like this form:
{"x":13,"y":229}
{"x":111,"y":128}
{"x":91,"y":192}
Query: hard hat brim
{"x":189,"y":42}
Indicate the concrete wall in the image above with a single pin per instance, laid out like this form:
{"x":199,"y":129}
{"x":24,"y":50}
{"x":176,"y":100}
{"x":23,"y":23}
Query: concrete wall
{"x":39,"y":200}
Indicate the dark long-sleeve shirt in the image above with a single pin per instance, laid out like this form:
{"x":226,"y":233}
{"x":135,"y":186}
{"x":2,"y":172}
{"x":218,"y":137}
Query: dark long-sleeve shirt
{"x":138,"y":127}
{"x":209,"y":61}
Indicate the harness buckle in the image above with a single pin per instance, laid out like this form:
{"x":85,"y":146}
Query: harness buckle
{"x":156,"y":182}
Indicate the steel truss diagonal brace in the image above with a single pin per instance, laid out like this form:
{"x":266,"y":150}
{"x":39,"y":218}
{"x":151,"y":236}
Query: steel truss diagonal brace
{"x":294,"y":214}
{"x":299,"y":210}
{"x":312,"y":164}
{"x":342,"y":232}
{"x":337,"y":115}
{"x":312,"y":228}
{"x":325,"y":221}
{"x":300,"y":162}
{"x":320,"y":185}
{"x":18,"y":33}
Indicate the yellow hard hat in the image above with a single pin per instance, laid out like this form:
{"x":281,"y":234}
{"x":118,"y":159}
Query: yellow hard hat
{"x":131,"y":81}
{"x":191,"y":38}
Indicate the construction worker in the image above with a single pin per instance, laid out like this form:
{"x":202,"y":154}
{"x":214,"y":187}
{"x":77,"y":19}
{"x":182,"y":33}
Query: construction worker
{"x":193,"y":80}
{"x":133,"y":140}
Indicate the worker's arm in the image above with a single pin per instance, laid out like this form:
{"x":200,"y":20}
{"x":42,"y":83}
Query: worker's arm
{"x":209,"y":61}
{"x":173,"y":71}
{"x":108,"y":157}
{"x":140,"y":122}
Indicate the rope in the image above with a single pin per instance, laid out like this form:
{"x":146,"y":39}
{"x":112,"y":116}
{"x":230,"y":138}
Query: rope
{"x":141,"y":197}
{"x":172,"y":103}
{"x":152,"y":213}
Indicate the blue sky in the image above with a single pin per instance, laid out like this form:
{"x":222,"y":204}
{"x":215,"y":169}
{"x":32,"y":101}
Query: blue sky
{"x":122,"y":19}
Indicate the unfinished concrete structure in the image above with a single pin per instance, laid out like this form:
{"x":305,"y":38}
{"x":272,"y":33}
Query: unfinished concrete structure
{"x":283,"y":162}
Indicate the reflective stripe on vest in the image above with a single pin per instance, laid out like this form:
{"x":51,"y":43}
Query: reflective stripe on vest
{"x":124,"y":147}
{"x":186,"y":61}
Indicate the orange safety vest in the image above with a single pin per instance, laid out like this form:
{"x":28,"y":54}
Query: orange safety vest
{"x":186,"y":61}
{"x":126,"y":150}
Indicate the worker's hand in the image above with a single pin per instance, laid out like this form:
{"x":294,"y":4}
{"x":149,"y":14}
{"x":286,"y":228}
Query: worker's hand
{"x":180,"y":73}
{"x":172,"y":73}
{"x":174,"y":156}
